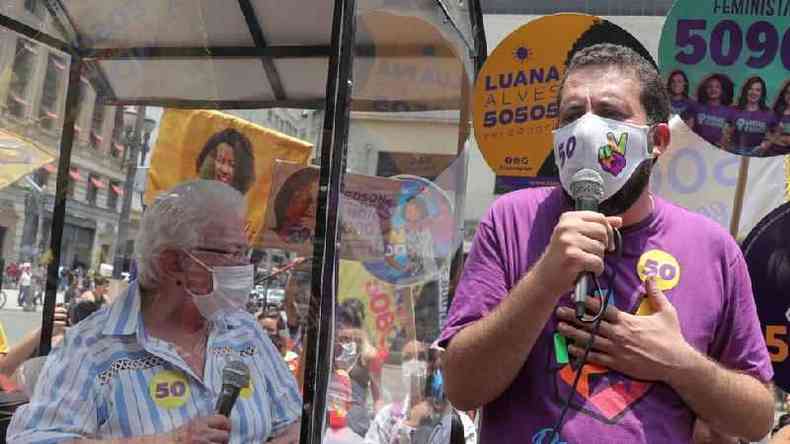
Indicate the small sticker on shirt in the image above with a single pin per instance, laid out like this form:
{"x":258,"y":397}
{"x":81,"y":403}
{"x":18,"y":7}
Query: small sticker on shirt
{"x":169,"y":389}
{"x":246,"y":392}
{"x":662,"y":265}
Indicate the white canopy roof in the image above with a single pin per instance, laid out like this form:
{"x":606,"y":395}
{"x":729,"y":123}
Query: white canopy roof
{"x":243,"y":53}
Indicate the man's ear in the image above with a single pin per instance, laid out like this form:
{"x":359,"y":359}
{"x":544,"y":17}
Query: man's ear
{"x":660,"y":137}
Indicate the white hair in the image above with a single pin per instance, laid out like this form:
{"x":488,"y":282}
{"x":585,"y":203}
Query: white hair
{"x":177,"y":219}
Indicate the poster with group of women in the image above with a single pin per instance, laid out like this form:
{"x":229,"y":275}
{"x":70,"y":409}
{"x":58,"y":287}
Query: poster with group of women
{"x":728,"y":73}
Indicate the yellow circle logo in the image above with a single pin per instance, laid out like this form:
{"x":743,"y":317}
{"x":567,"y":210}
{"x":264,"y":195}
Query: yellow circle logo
{"x":247,"y":392}
{"x":662,"y":265}
{"x":169,"y":389}
{"x":515,"y":104}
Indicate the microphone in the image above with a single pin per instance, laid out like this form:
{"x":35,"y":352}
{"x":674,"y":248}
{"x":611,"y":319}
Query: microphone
{"x":586,"y":192}
{"x":235,"y":376}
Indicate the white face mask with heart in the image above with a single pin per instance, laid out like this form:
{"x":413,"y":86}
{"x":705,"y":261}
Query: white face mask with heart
{"x":612,"y":148}
{"x":231,"y":290}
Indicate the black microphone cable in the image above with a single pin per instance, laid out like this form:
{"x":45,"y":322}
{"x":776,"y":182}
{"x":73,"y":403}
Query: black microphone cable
{"x":596,"y":321}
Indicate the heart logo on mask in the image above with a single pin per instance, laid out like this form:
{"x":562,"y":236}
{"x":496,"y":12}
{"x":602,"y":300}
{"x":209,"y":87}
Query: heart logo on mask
{"x":612,"y":155}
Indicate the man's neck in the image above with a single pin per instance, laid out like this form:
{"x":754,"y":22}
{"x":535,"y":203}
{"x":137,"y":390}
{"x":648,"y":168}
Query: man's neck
{"x":640,"y":210}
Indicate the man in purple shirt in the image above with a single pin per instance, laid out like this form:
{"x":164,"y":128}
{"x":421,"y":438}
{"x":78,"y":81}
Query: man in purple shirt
{"x":680,"y":346}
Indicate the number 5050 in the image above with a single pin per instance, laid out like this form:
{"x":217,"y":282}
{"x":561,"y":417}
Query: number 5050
{"x":776,"y":340}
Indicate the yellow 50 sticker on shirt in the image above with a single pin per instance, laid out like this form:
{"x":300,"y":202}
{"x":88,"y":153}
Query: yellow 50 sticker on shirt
{"x":662,"y":265}
{"x":169,"y":389}
{"x":247,"y":392}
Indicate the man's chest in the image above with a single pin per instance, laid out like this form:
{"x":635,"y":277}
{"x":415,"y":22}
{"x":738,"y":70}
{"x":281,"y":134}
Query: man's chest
{"x":690,"y":276}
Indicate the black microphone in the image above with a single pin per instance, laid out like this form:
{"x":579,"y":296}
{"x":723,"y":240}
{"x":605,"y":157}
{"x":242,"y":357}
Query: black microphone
{"x":235,"y":376}
{"x":587,"y":193}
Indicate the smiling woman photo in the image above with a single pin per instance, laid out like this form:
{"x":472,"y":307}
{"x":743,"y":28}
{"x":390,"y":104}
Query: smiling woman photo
{"x":712,"y":113}
{"x":751,"y":120}
{"x":227,"y":157}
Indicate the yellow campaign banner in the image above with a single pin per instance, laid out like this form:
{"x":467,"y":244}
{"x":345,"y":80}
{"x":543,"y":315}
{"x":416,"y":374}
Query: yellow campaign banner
{"x":382,"y":318}
{"x":19,"y":157}
{"x":515,"y":102}
{"x":212,"y":145}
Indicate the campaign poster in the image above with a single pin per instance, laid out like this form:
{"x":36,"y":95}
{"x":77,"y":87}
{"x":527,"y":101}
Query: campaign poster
{"x":382,"y":317}
{"x":403,"y":63}
{"x":19,"y":157}
{"x":727,"y":70}
{"x":212,"y":145}
{"x":767,"y":254}
{"x":366,"y":206}
{"x":420,"y":235}
{"x":515,"y":103}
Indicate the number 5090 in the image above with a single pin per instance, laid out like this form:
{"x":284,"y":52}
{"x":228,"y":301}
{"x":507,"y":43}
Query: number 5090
{"x":727,"y":40}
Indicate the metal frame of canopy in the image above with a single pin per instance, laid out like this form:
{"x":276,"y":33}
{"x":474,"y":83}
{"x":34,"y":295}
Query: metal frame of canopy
{"x":336,"y":103}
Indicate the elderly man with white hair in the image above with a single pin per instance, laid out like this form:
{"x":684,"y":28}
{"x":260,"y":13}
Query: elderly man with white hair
{"x":148,"y":368}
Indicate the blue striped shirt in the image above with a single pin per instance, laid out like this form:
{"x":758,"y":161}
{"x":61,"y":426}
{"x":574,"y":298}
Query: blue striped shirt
{"x":110,"y":379}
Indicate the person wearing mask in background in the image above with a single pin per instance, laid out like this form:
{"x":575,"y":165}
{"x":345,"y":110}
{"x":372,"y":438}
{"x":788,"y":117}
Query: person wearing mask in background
{"x":272,"y":323}
{"x":424,"y":416}
{"x":149,"y":367}
{"x":365,"y":368}
{"x":679,"y":342}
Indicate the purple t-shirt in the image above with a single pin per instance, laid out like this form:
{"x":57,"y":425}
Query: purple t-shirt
{"x":679,"y":107}
{"x":712,"y":294}
{"x":782,"y":126}
{"x":750,"y":127}
{"x":709,"y":121}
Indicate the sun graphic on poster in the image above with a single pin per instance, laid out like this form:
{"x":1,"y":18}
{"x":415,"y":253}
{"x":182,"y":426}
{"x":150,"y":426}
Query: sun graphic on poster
{"x":522,"y":53}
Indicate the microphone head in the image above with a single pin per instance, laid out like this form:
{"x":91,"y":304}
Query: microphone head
{"x":587,"y":184}
{"x":236,"y":374}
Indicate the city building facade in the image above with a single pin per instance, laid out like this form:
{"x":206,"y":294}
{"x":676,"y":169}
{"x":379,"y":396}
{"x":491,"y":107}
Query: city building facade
{"x":33,"y":82}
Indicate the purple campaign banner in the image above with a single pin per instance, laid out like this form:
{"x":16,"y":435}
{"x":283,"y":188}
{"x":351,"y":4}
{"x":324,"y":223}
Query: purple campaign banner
{"x":767,"y":253}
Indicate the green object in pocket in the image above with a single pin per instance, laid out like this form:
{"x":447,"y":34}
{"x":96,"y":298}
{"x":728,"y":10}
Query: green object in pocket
{"x":561,"y":349}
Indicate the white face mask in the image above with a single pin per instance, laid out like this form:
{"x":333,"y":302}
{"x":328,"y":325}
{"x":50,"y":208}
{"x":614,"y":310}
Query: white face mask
{"x":612,"y":148}
{"x":348,"y":355}
{"x":231,"y":290}
{"x":414,"y":369}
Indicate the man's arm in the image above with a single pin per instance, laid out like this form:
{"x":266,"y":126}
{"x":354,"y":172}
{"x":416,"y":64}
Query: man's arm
{"x":492,"y":350}
{"x":25,"y":349}
{"x":731,"y":402}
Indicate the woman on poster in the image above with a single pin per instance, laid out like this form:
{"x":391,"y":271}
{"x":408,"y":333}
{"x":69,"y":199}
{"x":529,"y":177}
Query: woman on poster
{"x":780,"y":136}
{"x":295,"y":207}
{"x":712,"y":113}
{"x":751,"y":120}
{"x":227,"y":157}
{"x":678,"y":88}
